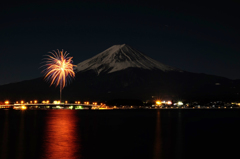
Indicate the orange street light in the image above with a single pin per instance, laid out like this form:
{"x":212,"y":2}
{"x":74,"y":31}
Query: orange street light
{"x":23,"y":107}
{"x":158,"y":102}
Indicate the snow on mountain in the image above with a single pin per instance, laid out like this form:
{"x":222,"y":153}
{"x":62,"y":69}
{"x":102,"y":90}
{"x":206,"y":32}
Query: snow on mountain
{"x":120,"y":57}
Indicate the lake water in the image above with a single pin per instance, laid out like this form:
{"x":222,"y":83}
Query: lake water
{"x":119,"y":134}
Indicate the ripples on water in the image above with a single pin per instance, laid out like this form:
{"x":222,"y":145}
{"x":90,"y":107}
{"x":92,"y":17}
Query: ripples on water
{"x":61,"y":138}
{"x":128,"y":134}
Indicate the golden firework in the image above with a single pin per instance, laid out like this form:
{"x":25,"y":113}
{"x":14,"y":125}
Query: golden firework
{"x":59,"y":68}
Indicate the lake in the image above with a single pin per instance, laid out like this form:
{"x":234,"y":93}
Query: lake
{"x":119,"y":134}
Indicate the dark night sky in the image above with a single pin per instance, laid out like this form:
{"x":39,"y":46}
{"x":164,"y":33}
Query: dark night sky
{"x":201,"y":37}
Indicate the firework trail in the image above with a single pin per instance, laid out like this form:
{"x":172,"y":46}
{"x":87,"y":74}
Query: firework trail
{"x":59,"y":68}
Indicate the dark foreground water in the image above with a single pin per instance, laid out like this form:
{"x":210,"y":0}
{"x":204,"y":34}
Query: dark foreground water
{"x":119,"y":134}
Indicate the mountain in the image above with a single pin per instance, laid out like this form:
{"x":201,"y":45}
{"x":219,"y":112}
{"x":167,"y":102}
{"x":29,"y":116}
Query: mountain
{"x":120,"y":57}
{"x":122,"y":72}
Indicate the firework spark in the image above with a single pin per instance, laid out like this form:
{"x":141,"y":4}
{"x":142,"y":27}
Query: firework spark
{"x":59,"y":68}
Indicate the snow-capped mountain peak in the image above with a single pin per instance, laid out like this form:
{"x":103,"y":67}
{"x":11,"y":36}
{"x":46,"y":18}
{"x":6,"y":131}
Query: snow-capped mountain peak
{"x":120,"y":57}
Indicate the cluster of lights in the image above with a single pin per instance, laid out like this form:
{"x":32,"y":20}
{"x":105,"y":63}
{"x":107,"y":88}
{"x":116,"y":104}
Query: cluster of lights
{"x":45,"y":102}
{"x":158,"y":102}
{"x":56,"y":102}
{"x":35,"y":102}
{"x":31,"y":102}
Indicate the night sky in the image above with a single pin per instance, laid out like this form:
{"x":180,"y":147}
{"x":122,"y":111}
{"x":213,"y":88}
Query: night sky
{"x":201,"y":37}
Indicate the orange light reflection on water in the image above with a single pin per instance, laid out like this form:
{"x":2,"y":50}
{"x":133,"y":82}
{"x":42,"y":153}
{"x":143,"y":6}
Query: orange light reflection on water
{"x":61,"y":139}
{"x":158,"y":138}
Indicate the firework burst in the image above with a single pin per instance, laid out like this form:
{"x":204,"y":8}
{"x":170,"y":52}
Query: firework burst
{"x":59,"y":69}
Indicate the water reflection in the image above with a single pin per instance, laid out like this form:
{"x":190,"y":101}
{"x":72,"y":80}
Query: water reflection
{"x":169,"y":135}
{"x":158,"y":138}
{"x":4,"y":144}
{"x":179,"y":136}
{"x":33,"y":137}
{"x":20,"y":143}
{"x":61,"y":139}
{"x":162,"y":134}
